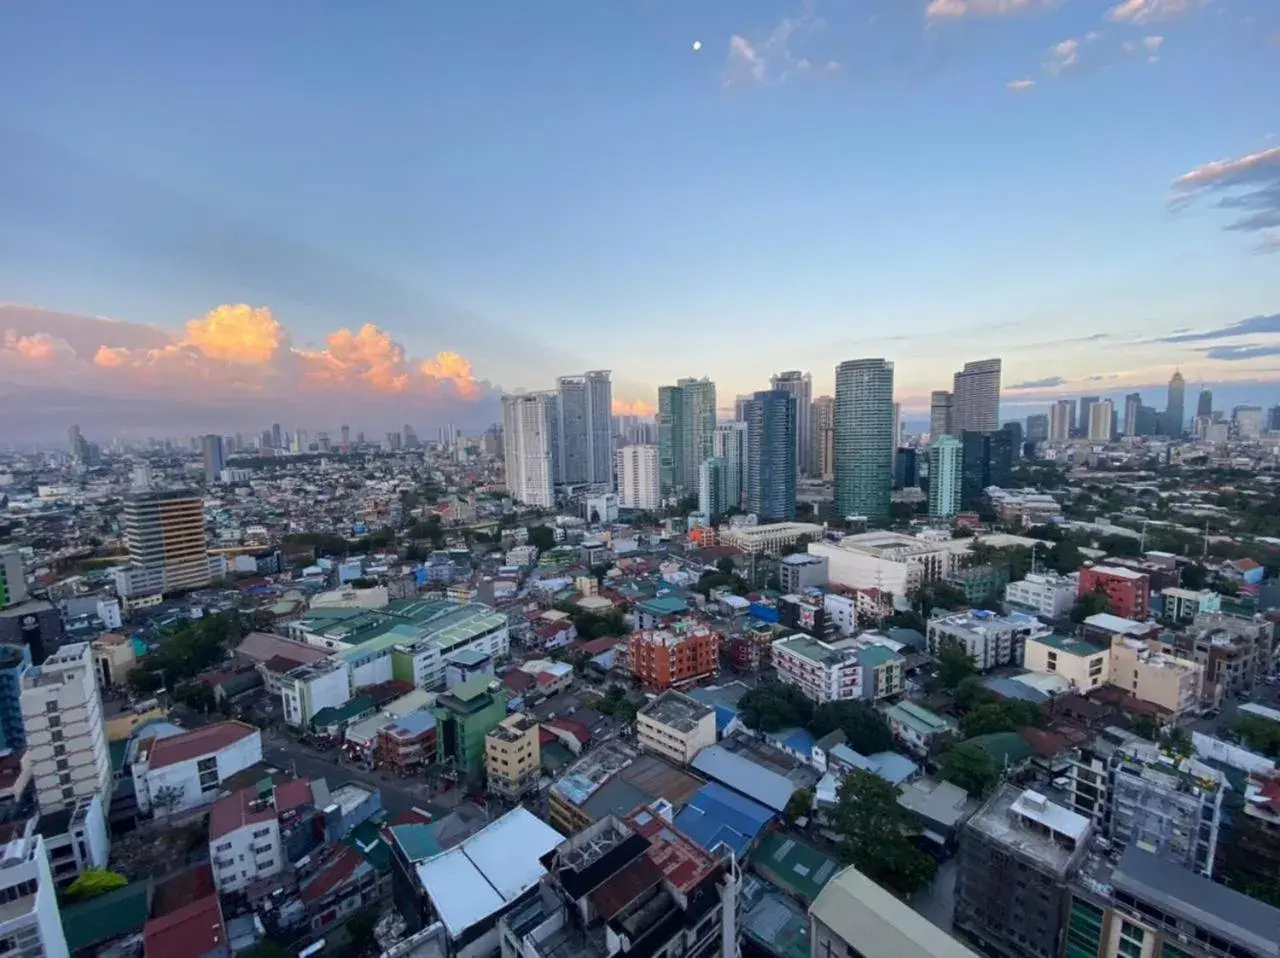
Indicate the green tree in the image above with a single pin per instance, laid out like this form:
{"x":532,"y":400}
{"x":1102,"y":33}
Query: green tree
{"x":1259,"y":734}
{"x":359,"y":930}
{"x":1178,"y":741}
{"x":725,"y":565}
{"x":970,"y":693}
{"x":1146,"y":726}
{"x":798,"y":805}
{"x":1064,"y":558}
{"x":970,"y":768}
{"x":1194,"y":576}
{"x":542,"y":537}
{"x":865,"y":729}
{"x":875,"y":834}
{"x":266,"y":949}
{"x":1089,"y":604}
{"x":1006,"y":715}
{"x":771,"y":706}
{"x":94,"y":882}
{"x":954,"y":664}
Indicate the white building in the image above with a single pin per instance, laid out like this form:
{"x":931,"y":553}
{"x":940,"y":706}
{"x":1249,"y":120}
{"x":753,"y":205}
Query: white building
{"x":66,"y":737}
{"x":772,"y":537}
{"x":30,"y":923}
{"x":638,"y":478}
{"x":729,"y":444}
{"x":603,"y":508}
{"x":1183,"y":605}
{"x":528,"y":425}
{"x":991,"y":640}
{"x":676,"y":727}
{"x":1247,"y":421}
{"x":888,"y":561}
{"x":842,"y":612}
{"x":1044,"y":593}
{"x":184,"y":771}
{"x":306,"y":690}
{"x":109,"y":613}
{"x":1101,"y":417}
{"x":83,"y":844}
{"x":244,"y":840}
{"x":823,"y":672}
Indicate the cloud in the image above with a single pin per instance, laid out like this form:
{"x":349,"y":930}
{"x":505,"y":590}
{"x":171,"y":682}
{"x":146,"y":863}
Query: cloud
{"x":1249,"y":186}
{"x":234,"y":352}
{"x":1270,"y":243}
{"x":1149,"y":11}
{"x":1047,"y":383}
{"x":1063,"y":56}
{"x":770,"y":60}
{"x":955,"y":9}
{"x":623,"y":407}
{"x":1019,"y":86}
{"x":1252,"y":326}
{"x":1238,"y":353}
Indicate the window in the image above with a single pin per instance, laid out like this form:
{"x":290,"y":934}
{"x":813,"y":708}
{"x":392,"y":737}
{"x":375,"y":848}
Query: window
{"x":55,"y":721}
{"x":223,"y":847}
{"x":68,"y":793}
{"x":50,"y":707}
{"x":61,"y":765}
{"x":64,"y":778}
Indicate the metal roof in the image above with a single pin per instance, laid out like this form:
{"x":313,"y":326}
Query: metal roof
{"x":765,"y":786}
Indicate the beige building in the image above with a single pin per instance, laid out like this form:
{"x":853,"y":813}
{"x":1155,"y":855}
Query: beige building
{"x":113,"y":659}
{"x":1085,"y":665}
{"x":1149,"y":674}
{"x":771,"y":537}
{"x":852,"y":915}
{"x":676,"y":727}
{"x":513,"y":756}
{"x":888,"y":561}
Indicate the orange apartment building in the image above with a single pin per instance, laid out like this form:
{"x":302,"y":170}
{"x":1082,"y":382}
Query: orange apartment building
{"x":678,"y":656}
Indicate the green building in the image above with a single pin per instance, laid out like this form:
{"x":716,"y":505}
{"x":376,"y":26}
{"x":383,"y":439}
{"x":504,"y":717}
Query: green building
{"x":464,"y":716}
{"x":981,"y":584}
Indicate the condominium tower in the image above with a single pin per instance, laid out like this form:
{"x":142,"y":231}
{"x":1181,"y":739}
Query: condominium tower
{"x":1062,"y":420}
{"x":771,"y":454}
{"x":528,"y":425}
{"x":686,"y":432}
{"x":214,"y":460}
{"x":638,"y":478}
{"x":944,"y":477}
{"x":864,"y":438}
{"x":730,"y":447}
{"x":164,"y":533}
{"x":823,"y":424}
{"x":939,"y":413}
{"x":584,"y":429}
{"x":800,"y":385}
{"x":1172,"y":421}
{"x":975,"y":397}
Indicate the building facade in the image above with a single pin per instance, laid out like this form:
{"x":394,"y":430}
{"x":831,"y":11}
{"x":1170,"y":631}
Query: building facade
{"x":30,"y":924}
{"x":513,"y":756}
{"x":822,"y":672}
{"x":638,"y":478}
{"x":168,"y":551}
{"x":686,"y":431}
{"x":888,"y":561}
{"x":1045,"y":594}
{"x":823,"y":418}
{"x":975,"y":397}
{"x":675,"y":657}
{"x":1128,"y":593}
{"x":676,"y":727}
{"x":730,"y":447}
{"x":944,"y":477}
{"x":990,"y":640}
{"x":800,"y":386}
{"x":864,"y":441}
{"x":529,"y":425}
{"x":771,"y":455}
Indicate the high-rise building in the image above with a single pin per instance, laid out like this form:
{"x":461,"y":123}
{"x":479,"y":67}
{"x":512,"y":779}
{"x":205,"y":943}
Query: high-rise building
{"x":275,"y":436}
{"x":1273,"y":419}
{"x":730,"y":447}
{"x":944,"y":477}
{"x":638,"y":486}
{"x":13,"y":577}
{"x":864,"y":438}
{"x":1129,"y":424}
{"x":214,"y":460}
{"x":975,"y":397}
{"x":1062,"y":420}
{"x":66,"y":737}
{"x":165,"y":535}
{"x":585,"y":429}
{"x":32,"y":924}
{"x":1037,"y":427}
{"x":1173,"y":420}
{"x":986,"y":459}
{"x":939,"y":413}
{"x":1101,"y":419}
{"x":711,"y":488}
{"x":824,"y":437}
{"x":686,"y":432}
{"x":346,"y":439}
{"x":74,"y":439}
{"x":1014,"y":429}
{"x":1204,"y":403}
{"x":1147,"y":422}
{"x":15,"y":661}
{"x":800,"y":385}
{"x":906,"y":470}
{"x":771,"y":455}
{"x":528,"y":421}
{"x":1085,"y":404}
{"x":1246,"y":421}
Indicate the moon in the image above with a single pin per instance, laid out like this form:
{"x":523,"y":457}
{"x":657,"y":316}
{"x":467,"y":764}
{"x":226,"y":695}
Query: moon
{"x":697,"y":45}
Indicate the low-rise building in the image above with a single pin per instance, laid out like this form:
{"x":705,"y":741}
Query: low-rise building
{"x":676,"y":727}
{"x":991,"y":640}
{"x":308,"y":689}
{"x":919,"y":730}
{"x":244,"y":840}
{"x":184,"y":771}
{"x":771,"y":538}
{"x":512,"y":756}
{"x":801,"y":571}
{"x":1183,"y":605}
{"x":981,"y":584}
{"x":464,"y":716}
{"x":29,"y":922}
{"x":1045,"y":594}
{"x":1128,"y":592}
{"x":1143,"y":669}
{"x":678,"y":656}
{"x":888,"y":561}
{"x":408,"y":742}
{"x":883,"y":672}
{"x":823,"y":672}
{"x":1084,"y":665}
{"x":608,"y":778}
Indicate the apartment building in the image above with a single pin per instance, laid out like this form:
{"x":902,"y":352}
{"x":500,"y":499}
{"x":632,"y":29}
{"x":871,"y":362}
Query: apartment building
{"x":168,"y":550}
{"x":513,"y":756}
{"x":770,"y":538}
{"x":801,"y":571}
{"x":1128,"y":592}
{"x":1045,"y":594}
{"x":184,"y":771}
{"x":1234,"y":651}
{"x":244,"y":840}
{"x":676,"y":727}
{"x":1183,"y":605}
{"x":1084,"y":665}
{"x":991,"y":640}
{"x":1142,"y":668}
{"x":66,"y":737}
{"x":1016,"y":858}
{"x":678,"y":656}
{"x":918,"y":729}
{"x":311,"y":687}
{"x":888,"y":561}
{"x":852,"y":915}
{"x":30,"y":924}
{"x":823,"y":672}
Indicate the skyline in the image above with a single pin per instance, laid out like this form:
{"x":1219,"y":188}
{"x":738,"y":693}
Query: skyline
{"x":420,"y":210}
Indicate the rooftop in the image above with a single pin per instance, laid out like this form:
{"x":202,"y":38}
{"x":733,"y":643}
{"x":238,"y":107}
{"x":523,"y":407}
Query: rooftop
{"x":1032,"y":825}
{"x":240,"y":808}
{"x":1115,"y":623}
{"x":1070,"y":645}
{"x":770,"y":788}
{"x":890,"y":545}
{"x":676,"y":711}
{"x":197,"y":742}
{"x":194,"y":930}
{"x":919,"y":719}
{"x":1119,"y":572}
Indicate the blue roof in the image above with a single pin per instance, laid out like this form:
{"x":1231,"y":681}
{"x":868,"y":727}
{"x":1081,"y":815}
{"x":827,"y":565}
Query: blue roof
{"x":715,"y":814}
{"x":1009,"y":689}
{"x":746,"y":777}
{"x":797,"y":739}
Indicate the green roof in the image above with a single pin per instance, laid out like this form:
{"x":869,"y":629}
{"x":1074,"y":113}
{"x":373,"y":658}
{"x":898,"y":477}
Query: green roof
{"x":366,"y":838}
{"x":919,"y":719}
{"x":117,"y":750}
{"x":113,"y":915}
{"x":1007,"y":748}
{"x":1069,"y":645}
{"x":335,"y":716}
{"x":794,"y":866}
{"x":472,"y":688}
{"x":873,"y":655}
{"x":813,"y":650}
{"x":664,"y":605}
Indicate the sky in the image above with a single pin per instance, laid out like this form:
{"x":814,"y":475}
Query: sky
{"x":213,"y":217}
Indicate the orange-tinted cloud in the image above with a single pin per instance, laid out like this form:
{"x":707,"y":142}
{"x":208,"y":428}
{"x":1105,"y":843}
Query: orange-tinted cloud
{"x":35,"y":348}
{"x":238,"y":334}
{"x":451,"y":367}
{"x":639,"y":407}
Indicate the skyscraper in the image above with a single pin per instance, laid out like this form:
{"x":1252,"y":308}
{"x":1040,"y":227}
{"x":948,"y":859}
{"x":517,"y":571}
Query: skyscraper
{"x":800,"y":385}
{"x":986,"y":459}
{"x":824,"y":435}
{"x":164,"y":533}
{"x":275,"y":436}
{"x":1173,"y":420}
{"x":584,"y":429}
{"x":1101,"y":417}
{"x":944,"y":477}
{"x":686,"y":432}
{"x":527,"y":423}
{"x":346,"y":439}
{"x":771,"y":455}
{"x":939,"y":413}
{"x":864,"y":438}
{"x":1204,"y":403}
{"x":730,"y":447}
{"x":711,"y":488}
{"x":1037,"y":427}
{"x":1062,"y":420}
{"x":975,"y":397}
{"x":214,"y":461}
{"x":638,"y":478}
{"x":1129,"y":422}
{"x":1082,"y":417}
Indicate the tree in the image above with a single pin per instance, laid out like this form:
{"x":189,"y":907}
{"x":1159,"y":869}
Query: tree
{"x":874,"y":834}
{"x":970,"y":768}
{"x":94,"y":882}
{"x":1064,"y":558}
{"x":1147,"y":726}
{"x":1006,"y":715}
{"x":266,"y":949}
{"x":771,"y":706}
{"x":1194,"y":576}
{"x":863,"y":727}
{"x":542,"y":537}
{"x":360,"y":932}
{"x":954,"y":664}
{"x":970,"y":693}
{"x":167,"y":797}
{"x":1089,"y":604}
{"x":725,"y":565}
{"x":798,"y":805}
{"x":1259,"y":734}
{"x":1179,"y":742}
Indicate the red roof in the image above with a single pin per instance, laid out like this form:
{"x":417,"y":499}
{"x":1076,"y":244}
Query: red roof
{"x":292,"y":794}
{"x":517,"y":680}
{"x":178,"y":889}
{"x":1246,"y":564}
{"x":683,"y":863}
{"x":238,"y":810}
{"x":576,"y":729}
{"x":198,"y":742}
{"x":190,"y":932}
{"x":338,"y":869}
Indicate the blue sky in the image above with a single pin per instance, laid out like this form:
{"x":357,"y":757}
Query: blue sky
{"x":550,"y":187}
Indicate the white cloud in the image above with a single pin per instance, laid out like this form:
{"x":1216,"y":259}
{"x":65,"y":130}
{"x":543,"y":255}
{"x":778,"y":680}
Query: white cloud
{"x":1063,"y":56}
{"x":770,"y":60}
{"x":954,"y":9}
{"x":1019,"y":86}
{"x":1148,"y":11}
{"x":1247,"y":186}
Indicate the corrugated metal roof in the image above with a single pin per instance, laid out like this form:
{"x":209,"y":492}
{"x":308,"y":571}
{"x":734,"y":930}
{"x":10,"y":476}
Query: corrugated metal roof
{"x":765,"y":786}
